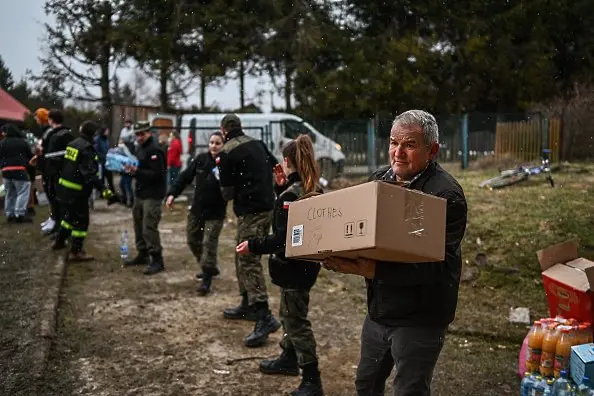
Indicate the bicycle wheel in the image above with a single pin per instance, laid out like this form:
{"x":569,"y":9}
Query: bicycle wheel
{"x":505,"y":181}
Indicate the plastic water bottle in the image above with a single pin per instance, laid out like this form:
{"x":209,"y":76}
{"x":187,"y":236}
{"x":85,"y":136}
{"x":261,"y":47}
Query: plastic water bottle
{"x":124,"y":245}
{"x":562,"y":386}
{"x":540,"y":386}
{"x":527,"y":384}
{"x":583,"y":389}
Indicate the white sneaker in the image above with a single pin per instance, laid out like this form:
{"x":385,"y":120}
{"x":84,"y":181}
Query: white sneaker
{"x":48,"y":225}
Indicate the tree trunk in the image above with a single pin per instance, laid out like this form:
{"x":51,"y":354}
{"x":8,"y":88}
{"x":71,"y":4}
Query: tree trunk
{"x":241,"y":85}
{"x":163,"y":94}
{"x":288,"y":87}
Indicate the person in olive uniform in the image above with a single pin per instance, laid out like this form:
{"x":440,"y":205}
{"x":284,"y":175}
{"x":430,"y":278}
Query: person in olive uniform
{"x":246,"y":178}
{"x":207,"y":213}
{"x":298,"y":177}
{"x":149,"y":194}
{"x":78,"y":178}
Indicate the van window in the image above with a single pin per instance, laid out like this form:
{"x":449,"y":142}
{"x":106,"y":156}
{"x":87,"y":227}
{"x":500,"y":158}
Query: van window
{"x":292,"y":129}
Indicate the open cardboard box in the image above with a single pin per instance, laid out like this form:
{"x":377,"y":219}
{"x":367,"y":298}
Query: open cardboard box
{"x":568,"y":281}
{"x":377,"y":220}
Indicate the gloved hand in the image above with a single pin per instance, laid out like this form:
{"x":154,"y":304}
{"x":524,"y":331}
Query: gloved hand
{"x":110,"y":197}
{"x":107,"y":193}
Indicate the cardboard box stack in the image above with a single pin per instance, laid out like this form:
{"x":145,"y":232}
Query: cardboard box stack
{"x":563,"y":343}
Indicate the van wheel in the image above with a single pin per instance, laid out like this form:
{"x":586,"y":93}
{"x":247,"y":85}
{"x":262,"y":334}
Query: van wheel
{"x":327,"y":169}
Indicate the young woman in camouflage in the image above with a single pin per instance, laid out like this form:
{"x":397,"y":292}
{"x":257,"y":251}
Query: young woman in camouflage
{"x":297,"y":176}
{"x":207,"y":213}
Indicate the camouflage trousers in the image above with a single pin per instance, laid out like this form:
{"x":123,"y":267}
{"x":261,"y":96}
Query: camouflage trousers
{"x":298,"y":335}
{"x":248,"y":267}
{"x":203,"y":240}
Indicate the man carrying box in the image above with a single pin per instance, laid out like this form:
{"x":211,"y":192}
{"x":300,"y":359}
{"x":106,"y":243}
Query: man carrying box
{"x":410,"y":305}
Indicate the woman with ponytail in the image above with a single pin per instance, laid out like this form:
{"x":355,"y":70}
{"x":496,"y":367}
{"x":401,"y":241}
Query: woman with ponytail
{"x":297,"y":176}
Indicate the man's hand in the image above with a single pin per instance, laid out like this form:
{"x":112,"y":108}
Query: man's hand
{"x":169,"y":202}
{"x":242,"y":248}
{"x":33,"y":161}
{"x":361,"y":266}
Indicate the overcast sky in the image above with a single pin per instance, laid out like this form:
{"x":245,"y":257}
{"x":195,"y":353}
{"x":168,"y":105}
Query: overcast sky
{"x":21,"y":40}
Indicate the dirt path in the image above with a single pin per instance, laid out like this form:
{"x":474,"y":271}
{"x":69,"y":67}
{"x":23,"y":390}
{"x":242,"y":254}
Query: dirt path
{"x":25,"y":279}
{"x":122,"y":333}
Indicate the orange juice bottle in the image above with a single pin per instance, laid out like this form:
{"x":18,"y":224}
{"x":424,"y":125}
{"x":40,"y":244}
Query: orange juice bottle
{"x":563,"y":350}
{"x":549,"y":346}
{"x":535,"y":337}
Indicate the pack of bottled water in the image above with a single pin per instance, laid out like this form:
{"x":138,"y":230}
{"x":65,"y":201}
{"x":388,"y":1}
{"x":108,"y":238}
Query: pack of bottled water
{"x":119,"y":157}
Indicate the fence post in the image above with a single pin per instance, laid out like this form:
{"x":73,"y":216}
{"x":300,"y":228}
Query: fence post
{"x":544,"y":139}
{"x":464,"y":131}
{"x":371,"y":151}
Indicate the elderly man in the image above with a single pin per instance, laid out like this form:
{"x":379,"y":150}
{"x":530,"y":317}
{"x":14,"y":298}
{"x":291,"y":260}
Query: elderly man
{"x":410,"y":305}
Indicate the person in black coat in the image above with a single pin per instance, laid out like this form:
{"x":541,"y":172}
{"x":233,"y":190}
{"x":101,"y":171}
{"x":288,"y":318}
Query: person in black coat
{"x":299,"y":176}
{"x":149,"y":194}
{"x":207,"y":213}
{"x":410,"y":305}
{"x":15,"y":154}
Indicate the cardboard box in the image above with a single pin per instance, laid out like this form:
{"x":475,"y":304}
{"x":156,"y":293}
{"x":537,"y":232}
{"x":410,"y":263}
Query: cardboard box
{"x":376,"y":220}
{"x":567,"y":280}
{"x":581,"y":362}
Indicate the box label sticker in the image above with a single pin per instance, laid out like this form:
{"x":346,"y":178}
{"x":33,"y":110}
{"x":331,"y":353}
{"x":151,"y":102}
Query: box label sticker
{"x":349,"y":230}
{"x":297,"y":235}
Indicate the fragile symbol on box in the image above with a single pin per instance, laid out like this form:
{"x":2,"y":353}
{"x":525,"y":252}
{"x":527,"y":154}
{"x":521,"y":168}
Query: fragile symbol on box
{"x":361,"y":227}
{"x":349,"y":229}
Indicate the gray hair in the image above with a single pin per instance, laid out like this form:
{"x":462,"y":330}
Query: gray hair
{"x":421,"y":119}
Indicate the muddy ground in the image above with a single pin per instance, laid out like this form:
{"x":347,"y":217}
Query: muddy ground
{"x":122,"y":333}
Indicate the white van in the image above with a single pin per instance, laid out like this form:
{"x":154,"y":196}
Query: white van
{"x":274,"y":129}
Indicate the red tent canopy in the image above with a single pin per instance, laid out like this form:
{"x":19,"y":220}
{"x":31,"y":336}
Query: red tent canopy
{"x":10,"y":108}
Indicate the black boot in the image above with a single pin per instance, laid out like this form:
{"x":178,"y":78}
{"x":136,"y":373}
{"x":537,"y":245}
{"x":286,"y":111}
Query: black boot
{"x":204,"y":288}
{"x":311,"y":383}
{"x":244,"y":311}
{"x":265,"y":325}
{"x":157,"y":265}
{"x":215,"y":273}
{"x":285,"y":364}
{"x":142,"y":258}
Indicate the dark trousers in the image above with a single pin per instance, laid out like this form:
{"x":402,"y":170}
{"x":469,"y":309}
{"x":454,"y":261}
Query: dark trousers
{"x":56,"y":206}
{"x":413,"y":351}
{"x":298,"y":335}
{"x":75,"y":224}
{"x":147,"y":215}
{"x":126,"y":188}
{"x":107,"y":175}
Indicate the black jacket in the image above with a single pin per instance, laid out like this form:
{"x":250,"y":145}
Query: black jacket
{"x":208,"y":202}
{"x":15,"y":154}
{"x":151,"y":171}
{"x":423,"y":294}
{"x":57,"y":140}
{"x":285,"y":272}
{"x":79,"y":174}
{"x":246,"y":174}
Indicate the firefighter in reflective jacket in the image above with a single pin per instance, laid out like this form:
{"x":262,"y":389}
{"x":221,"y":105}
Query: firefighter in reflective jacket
{"x":77,"y":180}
